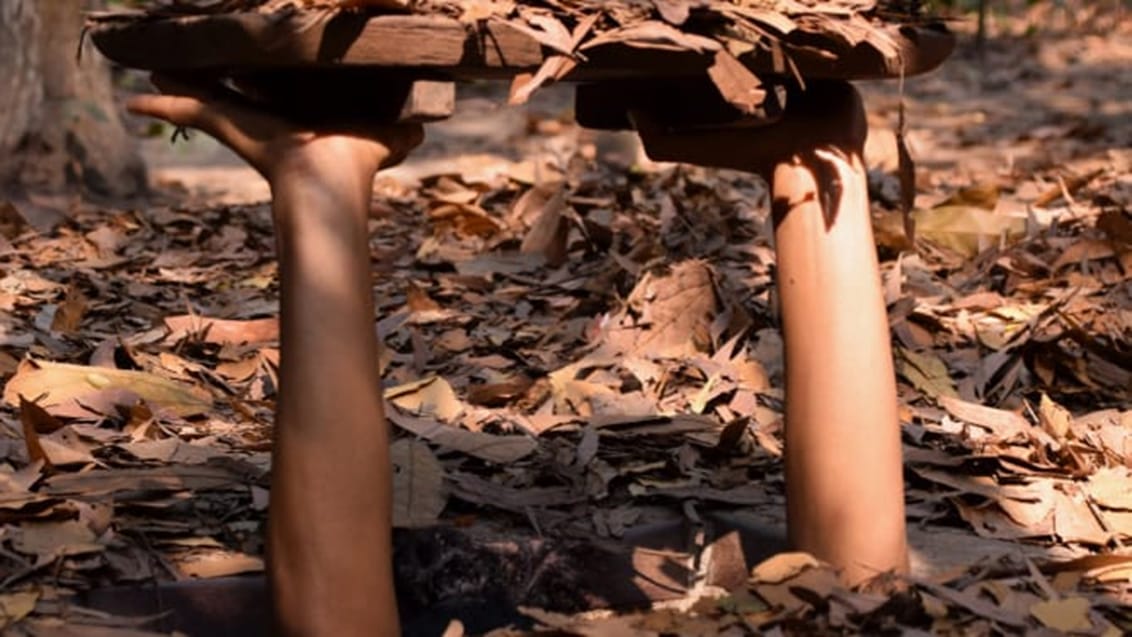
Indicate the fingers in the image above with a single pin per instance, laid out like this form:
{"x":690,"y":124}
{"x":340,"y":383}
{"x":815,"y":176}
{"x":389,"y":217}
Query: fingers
{"x":175,"y":109}
{"x":263,"y":139}
{"x":214,"y":118}
{"x":215,"y":110}
{"x":184,"y":103}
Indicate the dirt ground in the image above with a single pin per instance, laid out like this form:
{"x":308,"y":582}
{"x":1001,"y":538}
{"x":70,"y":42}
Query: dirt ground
{"x":580,"y":342}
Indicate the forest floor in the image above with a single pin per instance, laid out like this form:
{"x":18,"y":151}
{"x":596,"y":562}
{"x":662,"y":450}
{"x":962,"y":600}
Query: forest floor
{"x":579,"y":343}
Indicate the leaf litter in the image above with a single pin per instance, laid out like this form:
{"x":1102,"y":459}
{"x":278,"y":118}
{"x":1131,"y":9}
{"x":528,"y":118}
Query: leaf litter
{"x":573,"y":350}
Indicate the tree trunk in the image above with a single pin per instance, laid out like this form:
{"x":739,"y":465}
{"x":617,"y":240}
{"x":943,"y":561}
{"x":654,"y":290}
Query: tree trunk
{"x":59,"y":124}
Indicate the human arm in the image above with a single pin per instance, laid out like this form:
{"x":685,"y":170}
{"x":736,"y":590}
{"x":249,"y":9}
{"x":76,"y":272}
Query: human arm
{"x":329,"y":529}
{"x":844,"y":471}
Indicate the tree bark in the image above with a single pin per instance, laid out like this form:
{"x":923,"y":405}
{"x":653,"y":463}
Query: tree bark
{"x":59,"y":125}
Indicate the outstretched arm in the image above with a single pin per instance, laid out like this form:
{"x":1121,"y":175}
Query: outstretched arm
{"x":329,"y":529}
{"x":844,"y":473}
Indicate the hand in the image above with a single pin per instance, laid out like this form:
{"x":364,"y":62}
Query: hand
{"x":276,"y":147}
{"x":827,"y":116}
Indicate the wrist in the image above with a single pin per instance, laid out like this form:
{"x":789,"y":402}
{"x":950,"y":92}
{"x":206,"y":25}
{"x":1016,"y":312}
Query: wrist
{"x":341,"y":162}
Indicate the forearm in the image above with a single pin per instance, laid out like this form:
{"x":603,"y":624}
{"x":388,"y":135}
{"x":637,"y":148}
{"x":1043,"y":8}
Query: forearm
{"x":329,"y":531}
{"x":843,"y":457}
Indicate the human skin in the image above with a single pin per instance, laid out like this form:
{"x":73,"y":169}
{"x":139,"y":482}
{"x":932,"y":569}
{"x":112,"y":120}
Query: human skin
{"x":844,"y":471}
{"x":329,"y":535}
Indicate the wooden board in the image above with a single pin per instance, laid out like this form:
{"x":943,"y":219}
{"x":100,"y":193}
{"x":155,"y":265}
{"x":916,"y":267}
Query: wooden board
{"x":444,"y":48}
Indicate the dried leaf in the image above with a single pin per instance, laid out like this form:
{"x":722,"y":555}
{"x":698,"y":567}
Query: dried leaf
{"x":489,"y":447}
{"x":212,"y":564}
{"x":78,"y":391}
{"x":927,"y":373}
{"x":548,"y":234}
{"x":221,"y":331}
{"x":782,"y":567}
{"x":16,"y":606}
{"x":53,"y":539}
{"x":587,"y":448}
{"x":1054,"y":418}
{"x":1003,"y":424}
{"x":429,"y":397}
{"x":1067,"y":615}
{"x":33,"y":417}
{"x":158,"y":479}
{"x":418,"y":485}
{"x":737,"y":84}
{"x":966,"y":230}
{"x":1111,"y":487}
{"x":69,"y":315}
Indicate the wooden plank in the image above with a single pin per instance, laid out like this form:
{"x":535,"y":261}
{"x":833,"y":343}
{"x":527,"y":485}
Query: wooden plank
{"x":258,"y":41}
{"x":429,"y":101}
{"x":445,"y":48}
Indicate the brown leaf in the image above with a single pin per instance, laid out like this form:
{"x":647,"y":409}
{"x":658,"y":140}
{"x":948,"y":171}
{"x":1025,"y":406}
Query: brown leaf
{"x":418,"y":300}
{"x":33,"y":418}
{"x":549,"y":233}
{"x":69,"y":315}
{"x":668,"y":314}
{"x":16,"y":606}
{"x":51,"y":539}
{"x":1111,"y":488}
{"x":65,"y":448}
{"x":499,"y":394}
{"x":161,"y":479}
{"x":171,"y":450}
{"x":1117,"y":226}
{"x":926,"y":372}
{"x":212,"y":564}
{"x":782,"y":567}
{"x":429,"y":397}
{"x":675,"y":12}
{"x":1003,"y":424}
{"x":490,"y":447}
{"x":966,"y":230}
{"x":78,"y":391}
{"x":1067,"y":187}
{"x":1054,"y":418}
{"x":222,"y":331}
{"x":737,"y":84}
{"x":980,"y":195}
{"x":1066,"y":615}
{"x":653,"y":34}
{"x":974,"y":604}
{"x":418,"y":484}
{"x":587,"y":447}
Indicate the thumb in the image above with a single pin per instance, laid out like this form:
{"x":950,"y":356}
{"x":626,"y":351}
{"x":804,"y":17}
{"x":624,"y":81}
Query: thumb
{"x":175,"y":109}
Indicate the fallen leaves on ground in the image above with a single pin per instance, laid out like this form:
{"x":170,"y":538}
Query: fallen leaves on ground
{"x":569,"y":345}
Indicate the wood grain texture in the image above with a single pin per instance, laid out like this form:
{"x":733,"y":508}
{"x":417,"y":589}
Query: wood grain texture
{"x":435,"y":46}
